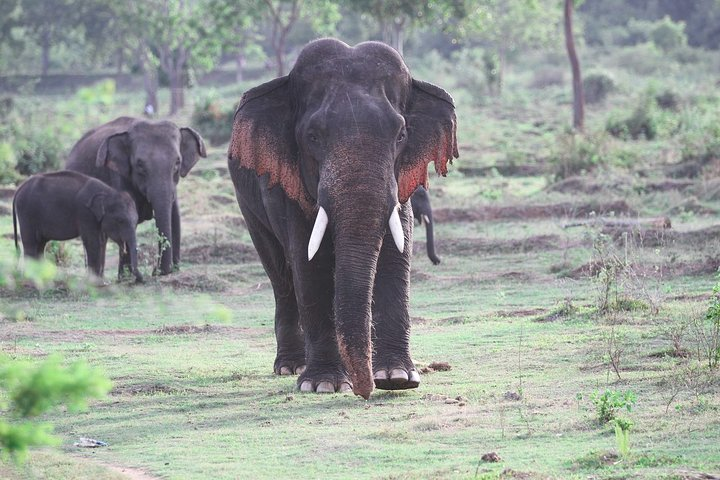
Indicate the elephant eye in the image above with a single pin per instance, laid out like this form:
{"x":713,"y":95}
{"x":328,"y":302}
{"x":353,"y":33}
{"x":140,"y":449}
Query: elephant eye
{"x":401,"y":137}
{"x":312,"y":137}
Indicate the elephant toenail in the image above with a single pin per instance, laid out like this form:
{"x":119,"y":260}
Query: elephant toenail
{"x":398,"y":374}
{"x":325,"y":387}
{"x":381,"y":375}
{"x":414,"y":376}
{"x":306,"y":386}
{"x":300,"y":370}
{"x":345,"y":387}
{"x":285,"y":371}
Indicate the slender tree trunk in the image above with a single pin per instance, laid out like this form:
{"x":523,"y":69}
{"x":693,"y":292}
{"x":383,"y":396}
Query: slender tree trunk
{"x":45,"y":45}
{"x":399,"y":35}
{"x":150,"y":81}
{"x":239,"y":64}
{"x":175,"y":86}
{"x":578,"y":100}
{"x":120,"y":60}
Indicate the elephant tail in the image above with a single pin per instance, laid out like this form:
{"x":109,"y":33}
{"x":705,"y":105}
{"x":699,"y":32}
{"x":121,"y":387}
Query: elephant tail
{"x":430,"y":239}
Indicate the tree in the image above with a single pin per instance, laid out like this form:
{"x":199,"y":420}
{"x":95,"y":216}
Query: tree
{"x":396,"y":17}
{"x":578,"y":97}
{"x":507,"y":26}
{"x":283,"y":15}
{"x":236,"y":24}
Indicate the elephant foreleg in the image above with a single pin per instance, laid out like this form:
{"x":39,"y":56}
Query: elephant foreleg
{"x":393,"y":367}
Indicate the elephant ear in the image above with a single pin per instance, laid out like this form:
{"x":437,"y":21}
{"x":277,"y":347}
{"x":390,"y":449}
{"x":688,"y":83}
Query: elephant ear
{"x":263,"y":140}
{"x":114,"y":153}
{"x":192,"y":147}
{"x":432,"y":137}
{"x":96,"y":204}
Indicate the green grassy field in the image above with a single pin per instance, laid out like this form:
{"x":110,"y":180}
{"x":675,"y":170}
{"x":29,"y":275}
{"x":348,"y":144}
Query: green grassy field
{"x":514,"y":310}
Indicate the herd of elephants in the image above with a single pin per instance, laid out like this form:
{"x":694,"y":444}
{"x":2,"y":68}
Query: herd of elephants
{"x":323,"y":162}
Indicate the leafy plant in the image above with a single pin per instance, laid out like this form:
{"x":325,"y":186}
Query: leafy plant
{"x":597,"y":86}
{"x":709,"y":334}
{"x":622,"y":435}
{"x":30,"y":390}
{"x":610,"y":402}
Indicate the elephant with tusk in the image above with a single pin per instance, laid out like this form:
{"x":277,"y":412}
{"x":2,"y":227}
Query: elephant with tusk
{"x":324,"y":161}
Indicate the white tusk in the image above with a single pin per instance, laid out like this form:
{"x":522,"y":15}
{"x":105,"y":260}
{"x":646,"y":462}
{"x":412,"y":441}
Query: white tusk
{"x":397,"y":230}
{"x":317,"y":234}
{"x":425,"y":218}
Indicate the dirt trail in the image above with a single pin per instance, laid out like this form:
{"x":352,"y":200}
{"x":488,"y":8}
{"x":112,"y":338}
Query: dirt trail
{"x":527,"y":212}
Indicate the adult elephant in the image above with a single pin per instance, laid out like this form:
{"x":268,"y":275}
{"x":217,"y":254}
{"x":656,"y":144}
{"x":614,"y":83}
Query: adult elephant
{"x":338,"y":146}
{"x":422,"y":211}
{"x":145,"y":159}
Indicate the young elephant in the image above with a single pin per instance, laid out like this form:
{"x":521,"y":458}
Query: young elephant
{"x":422,"y":211}
{"x":65,"y":205}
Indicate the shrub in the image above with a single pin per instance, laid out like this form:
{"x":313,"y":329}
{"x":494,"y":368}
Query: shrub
{"x":577,"y":154}
{"x":597,"y":86}
{"x":212,"y":121}
{"x":7,"y":163}
{"x":668,"y":35}
{"x":642,"y":122}
{"x":668,"y":100}
{"x":610,"y":402}
{"x":547,"y":77}
{"x":37,"y":151}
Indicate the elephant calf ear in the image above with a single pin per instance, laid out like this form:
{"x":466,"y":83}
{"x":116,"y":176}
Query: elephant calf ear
{"x":96,"y":204}
{"x":114,"y":153}
{"x":432,"y":137}
{"x":192,"y":147}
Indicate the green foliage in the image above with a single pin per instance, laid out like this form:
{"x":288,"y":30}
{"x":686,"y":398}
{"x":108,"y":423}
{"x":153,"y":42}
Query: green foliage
{"x":576,"y":154}
{"x":622,"y":428}
{"x":33,"y":389}
{"x":642,"y":122}
{"x":699,"y":131}
{"x":610,"y":402}
{"x":38,"y":273}
{"x":668,"y":35}
{"x":711,"y":332}
{"x":8,"y":174}
{"x":597,"y":86}
{"x":37,"y":149}
{"x":102,"y":94}
{"x":212,"y":120}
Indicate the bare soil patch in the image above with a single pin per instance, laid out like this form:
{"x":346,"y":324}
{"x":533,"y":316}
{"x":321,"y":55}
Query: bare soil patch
{"x":529,"y":212}
{"x":474,"y":246}
{"x":221,"y":253}
{"x":142,"y":389}
{"x":506,"y":170}
{"x":708,"y":266}
{"x":7,"y":193}
{"x":183,"y":329}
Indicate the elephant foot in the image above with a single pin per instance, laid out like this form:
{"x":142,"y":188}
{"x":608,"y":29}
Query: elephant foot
{"x":396,"y":377}
{"x":287,"y":366}
{"x":317,"y":382}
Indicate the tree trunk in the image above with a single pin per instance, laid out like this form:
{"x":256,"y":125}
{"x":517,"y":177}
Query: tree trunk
{"x":120,"y":60}
{"x":239,"y":65}
{"x":150,"y":81}
{"x":399,"y":35}
{"x":45,"y":45}
{"x":175,"y":86}
{"x":578,"y":100}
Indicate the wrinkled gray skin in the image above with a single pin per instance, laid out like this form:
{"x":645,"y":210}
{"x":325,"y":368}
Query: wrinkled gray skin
{"x":422,"y":211}
{"x":146,"y":160}
{"x":65,"y":205}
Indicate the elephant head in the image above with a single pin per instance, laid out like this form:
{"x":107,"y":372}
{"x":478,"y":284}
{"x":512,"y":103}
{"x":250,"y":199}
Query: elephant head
{"x":117,"y":214}
{"x":151,"y":157}
{"x":348,"y":134}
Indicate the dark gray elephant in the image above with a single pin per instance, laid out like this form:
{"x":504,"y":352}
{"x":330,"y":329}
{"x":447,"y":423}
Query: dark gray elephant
{"x":422,"y":211}
{"x":145,"y":159}
{"x":65,"y":205}
{"x":324,"y":161}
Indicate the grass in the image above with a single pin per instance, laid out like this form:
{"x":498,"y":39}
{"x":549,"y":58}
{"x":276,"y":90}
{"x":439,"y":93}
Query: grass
{"x":191,"y":354}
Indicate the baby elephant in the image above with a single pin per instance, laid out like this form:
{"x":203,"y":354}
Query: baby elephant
{"x":65,"y":205}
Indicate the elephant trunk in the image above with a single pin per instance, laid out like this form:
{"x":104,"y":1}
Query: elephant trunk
{"x":359,"y":216}
{"x":162,"y":210}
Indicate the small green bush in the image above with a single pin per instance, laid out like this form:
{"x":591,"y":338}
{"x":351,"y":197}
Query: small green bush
{"x":597,"y":86}
{"x":668,"y":100}
{"x":610,"y":402}
{"x":642,"y":122}
{"x":7,"y":163}
{"x":668,"y":35}
{"x":577,"y":154}
{"x":37,"y":151}
{"x":213,"y":121}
